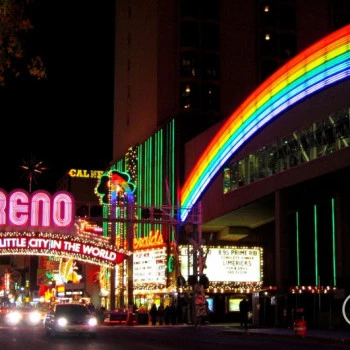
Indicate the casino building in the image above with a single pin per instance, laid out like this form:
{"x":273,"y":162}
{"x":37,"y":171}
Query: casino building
{"x":245,"y":121}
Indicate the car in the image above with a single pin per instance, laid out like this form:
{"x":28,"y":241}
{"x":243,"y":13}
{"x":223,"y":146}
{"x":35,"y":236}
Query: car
{"x":23,"y":315}
{"x":70,"y":319}
{"x":120,"y":316}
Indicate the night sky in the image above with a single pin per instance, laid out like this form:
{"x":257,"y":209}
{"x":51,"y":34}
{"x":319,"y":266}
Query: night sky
{"x":65,"y":121}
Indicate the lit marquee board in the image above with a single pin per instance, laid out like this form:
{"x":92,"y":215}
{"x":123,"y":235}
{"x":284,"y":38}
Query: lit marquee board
{"x":150,"y":266}
{"x":229,"y":264}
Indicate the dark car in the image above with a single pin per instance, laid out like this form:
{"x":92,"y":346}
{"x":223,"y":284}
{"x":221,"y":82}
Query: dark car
{"x":120,"y":315}
{"x":66,"y":319}
{"x":23,"y":315}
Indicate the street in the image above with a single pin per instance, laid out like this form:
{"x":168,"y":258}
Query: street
{"x":123,"y":337}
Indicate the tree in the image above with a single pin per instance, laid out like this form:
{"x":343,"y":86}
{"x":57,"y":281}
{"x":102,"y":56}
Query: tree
{"x":15,"y":58}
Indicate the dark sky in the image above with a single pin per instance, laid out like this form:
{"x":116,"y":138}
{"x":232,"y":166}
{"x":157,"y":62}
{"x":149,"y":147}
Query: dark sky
{"x":65,"y":121}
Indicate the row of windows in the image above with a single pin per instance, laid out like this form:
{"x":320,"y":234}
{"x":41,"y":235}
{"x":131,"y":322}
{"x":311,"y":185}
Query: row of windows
{"x":203,"y":66}
{"x":327,"y":136}
{"x":195,"y":95}
{"x":200,"y":66}
{"x":200,"y":35}
{"x":200,"y":43}
{"x":277,"y":35}
{"x":200,"y":9}
{"x":278,"y":31}
{"x":280,"y":15}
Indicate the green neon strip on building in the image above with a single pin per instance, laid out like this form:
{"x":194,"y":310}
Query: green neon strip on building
{"x":334,"y":245}
{"x":316,"y":245}
{"x":297,"y":246}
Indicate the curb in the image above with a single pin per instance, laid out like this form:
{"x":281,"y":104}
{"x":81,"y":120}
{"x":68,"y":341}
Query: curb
{"x":279,"y":335}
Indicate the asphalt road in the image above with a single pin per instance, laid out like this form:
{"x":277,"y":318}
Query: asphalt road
{"x":121,"y":337}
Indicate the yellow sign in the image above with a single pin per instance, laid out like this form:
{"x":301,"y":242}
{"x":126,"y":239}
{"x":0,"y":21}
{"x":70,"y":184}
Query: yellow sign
{"x":87,"y":174}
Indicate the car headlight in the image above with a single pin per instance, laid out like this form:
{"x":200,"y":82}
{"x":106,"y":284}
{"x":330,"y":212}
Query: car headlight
{"x":14,"y":317}
{"x":92,"y":321}
{"x":62,"y":322}
{"x":34,"y":317}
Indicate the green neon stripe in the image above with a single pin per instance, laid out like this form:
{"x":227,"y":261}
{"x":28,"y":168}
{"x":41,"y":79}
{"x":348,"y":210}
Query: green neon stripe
{"x":139,"y":181}
{"x":316,"y":244}
{"x":297,"y":246}
{"x":172,"y":172}
{"x":334,"y":245}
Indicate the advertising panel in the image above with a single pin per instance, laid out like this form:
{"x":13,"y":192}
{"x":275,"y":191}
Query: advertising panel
{"x":228,"y":264}
{"x":150,"y":266}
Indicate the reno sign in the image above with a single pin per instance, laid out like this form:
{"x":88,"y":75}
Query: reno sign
{"x":38,"y":211}
{"x":44,"y":224}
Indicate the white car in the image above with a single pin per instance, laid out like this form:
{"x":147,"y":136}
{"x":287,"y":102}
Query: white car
{"x":65,"y":319}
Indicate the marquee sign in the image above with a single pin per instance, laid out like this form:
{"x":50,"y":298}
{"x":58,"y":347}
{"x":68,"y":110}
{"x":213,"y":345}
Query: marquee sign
{"x":150,"y":266}
{"x":227,"y":264}
{"x":59,"y":245}
{"x":44,"y":224}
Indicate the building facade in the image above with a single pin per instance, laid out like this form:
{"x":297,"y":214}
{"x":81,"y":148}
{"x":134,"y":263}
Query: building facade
{"x":191,"y":65}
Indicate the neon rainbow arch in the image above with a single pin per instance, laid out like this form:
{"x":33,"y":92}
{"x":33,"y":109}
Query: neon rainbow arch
{"x":321,"y":65}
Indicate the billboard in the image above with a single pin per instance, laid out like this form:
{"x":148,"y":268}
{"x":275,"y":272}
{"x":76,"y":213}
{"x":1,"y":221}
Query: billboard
{"x":150,"y":266}
{"x":226,"y":264}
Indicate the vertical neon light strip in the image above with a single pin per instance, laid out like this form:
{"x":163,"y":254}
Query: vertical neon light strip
{"x":334,"y":245}
{"x":316,"y":245}
{"x":139,"y":188}
{"x":172,"y":172}
{"x":158,"y":171}
{"x":297,"y":246}
{"x":316,"y":68}
{"x":148,"y":169}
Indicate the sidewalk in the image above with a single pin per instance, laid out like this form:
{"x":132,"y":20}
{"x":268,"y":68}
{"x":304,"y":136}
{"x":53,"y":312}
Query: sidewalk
{"x":324,"y":335}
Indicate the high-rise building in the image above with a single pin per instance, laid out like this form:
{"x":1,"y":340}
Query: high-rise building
{"x":197,"y":60}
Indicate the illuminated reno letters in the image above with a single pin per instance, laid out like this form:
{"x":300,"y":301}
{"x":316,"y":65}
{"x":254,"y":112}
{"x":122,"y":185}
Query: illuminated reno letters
{"x":19,"y":209}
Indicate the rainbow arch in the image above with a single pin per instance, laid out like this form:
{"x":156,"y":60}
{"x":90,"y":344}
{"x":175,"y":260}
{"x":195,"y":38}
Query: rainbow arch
{"x":324,"y":63}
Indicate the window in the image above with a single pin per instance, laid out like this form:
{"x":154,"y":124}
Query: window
{"x":211,"y":67}
{"x":288,"y":45}
{"x":189,"y":8}
{"x":189,"y":64}
{"x":189,"y":36}
{"x":189,"y":97}
{"x":210,"y":36}
{"x":211,"y":97}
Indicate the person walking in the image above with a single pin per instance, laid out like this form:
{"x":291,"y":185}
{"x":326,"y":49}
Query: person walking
{"x":173,"y":315}
{"x":167,"y":314}
{"x":243,"y":310}
{"x":153,"y":312}
{"x":161,"y":314}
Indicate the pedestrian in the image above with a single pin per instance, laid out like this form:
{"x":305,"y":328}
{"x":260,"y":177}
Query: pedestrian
{"x":243,"y":310}
{"x":91,"y":307}
{"x":167,"y":314}
{"x":173,"y":315}
{"x":100,"y":314}
{"x":153,"y":312}
{"x":161,"y":313}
